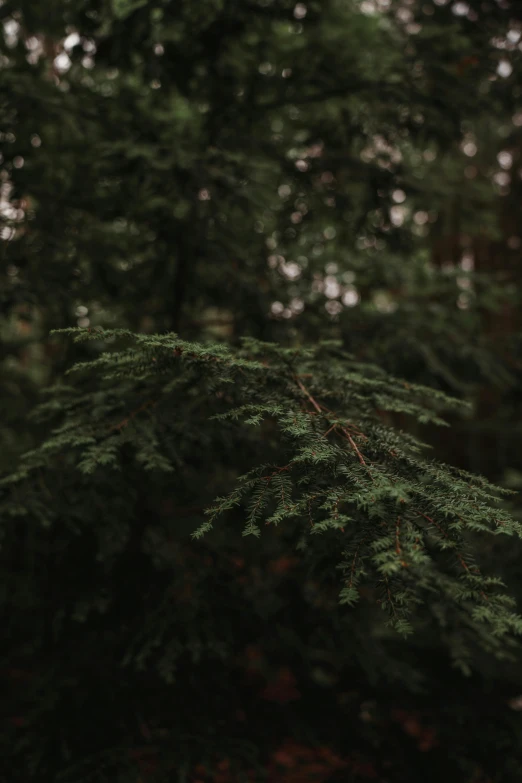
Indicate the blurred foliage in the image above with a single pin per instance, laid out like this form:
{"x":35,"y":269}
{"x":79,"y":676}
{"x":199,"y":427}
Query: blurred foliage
{"x":289,"y":172}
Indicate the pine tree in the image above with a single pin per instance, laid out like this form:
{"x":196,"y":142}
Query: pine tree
{"x":227,"y":553}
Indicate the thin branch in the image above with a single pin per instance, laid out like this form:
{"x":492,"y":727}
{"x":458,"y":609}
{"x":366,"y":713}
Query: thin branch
{"x":122,"y":424}
{"x":443,"y":532}
{"x":322,"y":410}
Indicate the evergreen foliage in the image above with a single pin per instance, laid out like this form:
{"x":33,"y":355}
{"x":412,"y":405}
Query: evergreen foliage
{"x":227,"y":553}
{"x":348,"y":493}
{"x":398,"y":507}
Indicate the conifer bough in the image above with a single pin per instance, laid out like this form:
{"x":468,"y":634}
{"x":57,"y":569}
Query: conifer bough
{"x":321,"y":461}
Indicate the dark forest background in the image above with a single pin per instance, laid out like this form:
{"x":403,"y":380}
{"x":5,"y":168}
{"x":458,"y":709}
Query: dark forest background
{"x":289,"y":172}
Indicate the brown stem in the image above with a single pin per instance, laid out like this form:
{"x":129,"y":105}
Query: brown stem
{"x":127,"y":419}
{"x":443,"y":532}
{"x":322,"y":410}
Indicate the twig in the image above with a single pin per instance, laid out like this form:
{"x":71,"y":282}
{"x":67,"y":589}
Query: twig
{"x":443,"y":532}
{"x":127,"y":419}
{"x":322,"y":410}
